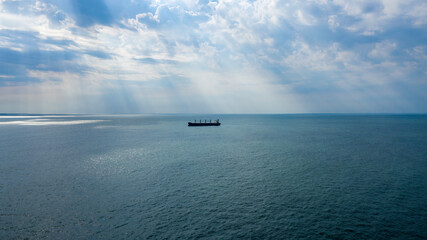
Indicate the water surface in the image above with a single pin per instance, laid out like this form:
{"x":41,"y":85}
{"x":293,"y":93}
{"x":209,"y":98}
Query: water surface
{"x":255,"y":176}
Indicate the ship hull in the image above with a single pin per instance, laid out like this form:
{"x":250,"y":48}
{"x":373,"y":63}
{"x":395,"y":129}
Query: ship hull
{"x":191,"y":124}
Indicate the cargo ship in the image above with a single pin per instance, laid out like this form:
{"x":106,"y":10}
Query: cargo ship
{"x":200,"y":123}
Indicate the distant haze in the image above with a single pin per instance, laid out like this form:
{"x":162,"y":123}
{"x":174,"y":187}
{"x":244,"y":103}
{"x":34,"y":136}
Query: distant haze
{"x":265,"y":56}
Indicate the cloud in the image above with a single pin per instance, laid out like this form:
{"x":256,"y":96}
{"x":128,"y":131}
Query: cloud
{"x":373,"y":17}
{"x":148,"y":60}
{"x":332,"y":22}
{"x":244,"y":56}
{"x":383,"y":49}
{"x":98,"y":54}
{"x":19,"y":63}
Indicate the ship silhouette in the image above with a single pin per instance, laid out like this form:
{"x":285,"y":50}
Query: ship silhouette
{"x":200,"y":123}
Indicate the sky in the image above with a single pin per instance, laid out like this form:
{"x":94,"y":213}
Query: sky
{"x":247,"y":56}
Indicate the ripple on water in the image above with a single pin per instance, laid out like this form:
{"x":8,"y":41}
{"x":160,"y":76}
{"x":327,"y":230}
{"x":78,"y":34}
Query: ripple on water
{"x":292,"y":178}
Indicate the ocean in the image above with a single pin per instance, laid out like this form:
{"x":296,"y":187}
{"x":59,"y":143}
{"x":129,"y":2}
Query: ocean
{"x":292,"y":176}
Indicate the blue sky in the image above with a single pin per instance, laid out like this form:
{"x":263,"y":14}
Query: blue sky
{"x":264,"y":56}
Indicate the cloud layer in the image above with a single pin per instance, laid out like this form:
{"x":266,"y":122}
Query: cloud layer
{"x":213,"y":56}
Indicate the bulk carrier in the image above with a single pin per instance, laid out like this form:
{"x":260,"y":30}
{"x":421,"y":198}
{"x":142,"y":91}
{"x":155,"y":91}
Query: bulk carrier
{"x":200,"y":123}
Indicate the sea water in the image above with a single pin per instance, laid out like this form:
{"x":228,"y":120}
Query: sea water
{"x":253,"y":177}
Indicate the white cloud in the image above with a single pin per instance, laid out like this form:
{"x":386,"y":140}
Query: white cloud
{"x":304,"y":18}
{"x":379,"y":15}
{"x":332,"y":22}
{"x":304,"y":57}
{"x":245,"y":54}
{"x":419,"y":52}
{"x":383,"y":49}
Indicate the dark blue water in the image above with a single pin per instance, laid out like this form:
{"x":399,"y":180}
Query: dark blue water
{"x":255,"y":176}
